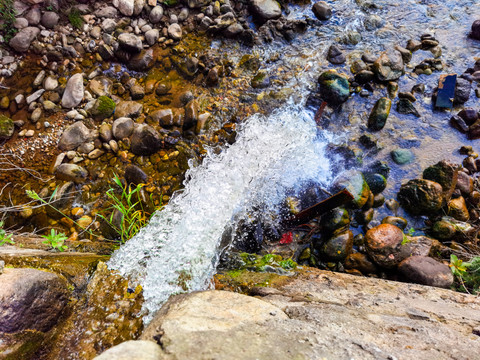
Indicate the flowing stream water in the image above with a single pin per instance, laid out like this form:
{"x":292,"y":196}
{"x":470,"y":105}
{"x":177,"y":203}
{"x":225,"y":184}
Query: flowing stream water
{"x":274,"y":155}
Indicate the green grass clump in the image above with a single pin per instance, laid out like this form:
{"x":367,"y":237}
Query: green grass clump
{"x":55,"y":240}
{"x":4,"y":237}
{"x":75,"y":18}
{"x":7,"y":17}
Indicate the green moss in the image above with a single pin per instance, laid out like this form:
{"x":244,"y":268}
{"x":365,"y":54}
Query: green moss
{"x":170,"y":2}
{"x":75,"y":18}
{"x":104,"y":107}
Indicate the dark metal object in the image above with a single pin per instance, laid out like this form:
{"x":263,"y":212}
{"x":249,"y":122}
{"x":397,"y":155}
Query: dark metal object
{"x":446,"y":91}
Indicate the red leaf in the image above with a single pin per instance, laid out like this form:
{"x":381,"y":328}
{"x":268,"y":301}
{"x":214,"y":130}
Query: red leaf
{"x":287,"y":238}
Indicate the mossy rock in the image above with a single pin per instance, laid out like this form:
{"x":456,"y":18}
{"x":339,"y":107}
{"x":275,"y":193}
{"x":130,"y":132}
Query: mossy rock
{"x":378,"y":116}
{"x":334,"y":87}
{"x":421,"y":197}
{"x":338,"y":247}
{"x":260,"y":80}
{"x":104,"y":107}
{"x":335,"y":219}
{"x":6,"y":127}
{"x":376,"y":182}
{"x":355,"y":183}
{"x":444,"y":173}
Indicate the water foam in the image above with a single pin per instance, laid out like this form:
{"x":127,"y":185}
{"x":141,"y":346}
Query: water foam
{"x":178,"y":250}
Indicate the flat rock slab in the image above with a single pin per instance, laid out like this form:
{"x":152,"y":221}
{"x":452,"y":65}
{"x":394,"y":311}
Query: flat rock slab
{"x":317,"y":315}
{"x":73,"y":266}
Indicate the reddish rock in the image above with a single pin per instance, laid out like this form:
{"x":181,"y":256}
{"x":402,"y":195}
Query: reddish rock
{"x":30,"y":299}
{"x":384,"y":245}
{"x":426,"y":271}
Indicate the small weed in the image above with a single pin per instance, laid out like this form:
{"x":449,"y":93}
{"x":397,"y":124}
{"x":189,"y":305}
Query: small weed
{"x":405,"y":240}
{"x":466,"y":273}
{"x":55,"y":240}
{"x":75,"y":18}
{"x":4,"y":237}
{"x":7,"y":15}
{"x":130,"y":205}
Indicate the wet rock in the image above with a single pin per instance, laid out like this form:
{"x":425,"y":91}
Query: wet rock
{"x":335,"y":54}
{"x":106,"y":132}
{"x":444,"y":230}
{"x":145,"y":140}
{"x":334,"y":220}
{"x":338,"y":247}
{"x":71,"y":172}
{"x":212,"y":77}
{"x":234,"y":30}
{"x":22,"y":40}
{"x":334,"y":87}
{"x":322,"y":10}
{"x":405,"y":106}
{"x":7,"y":127}
{"x":397,"y":221}
{"x":30,"y":299}
{"x":261,"y":80}
{"x":137,"y":91}
{"x":406,"y":54}
{"x":389,"y":66}
{"x":444,"y":173}
{"x":464,"y":183}
{"x":130,"y":42}
{"x":175,"y":31}
{"x":364,"y":76}
{"x":426,"y":271}
{"x":355,"y":183}
{"x":74,"y":136}
{"x":164,"y":117}
{"x":122,"y":128}
{"x":384,"y":245}
{"x":360,"y":262}
{"x":50,"y":19}
{"x":265,"y":9}
{"x":462,"y":91}
{"x":134,"y":175}
{"x":458,"y":123}
{"x":421,"y":197}
{"x":457,"y":208}
{"x":74,"y":92}
{"x":475,"y":33}
{"x":469,"y":115}
{"x":378,"y":116}
{"x":376,"y":182}
{"x":126,"y":7}
{"x":133,"y":349}
{"x":402,"y":156}
{"x":131,"y":109}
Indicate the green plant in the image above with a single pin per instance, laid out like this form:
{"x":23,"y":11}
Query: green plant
{"x":55,"y":240}
{"x":7,"y":16}
{"x":467,"y":274}
{"x":129,"y":204}
{"x":4,"y":237}
{"x":75,"y":18}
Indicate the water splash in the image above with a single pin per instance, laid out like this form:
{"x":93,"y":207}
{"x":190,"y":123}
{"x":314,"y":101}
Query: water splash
{"x":178,"y":250}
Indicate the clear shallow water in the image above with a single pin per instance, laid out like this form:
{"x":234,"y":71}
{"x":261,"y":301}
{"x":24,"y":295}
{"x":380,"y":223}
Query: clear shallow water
{"x":177,"y":251}
{"x":274,"y":155}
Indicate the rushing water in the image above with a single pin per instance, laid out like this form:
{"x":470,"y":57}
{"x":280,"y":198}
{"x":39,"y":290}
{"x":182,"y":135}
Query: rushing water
{"x":273,"y":155}
{"x":177,"y":251}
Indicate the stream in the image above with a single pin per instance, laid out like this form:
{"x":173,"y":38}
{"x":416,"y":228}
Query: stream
{"x":278,"y":154}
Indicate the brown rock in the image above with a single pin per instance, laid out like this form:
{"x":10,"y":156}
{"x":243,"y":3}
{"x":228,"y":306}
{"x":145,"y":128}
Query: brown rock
{"x":384,"y":245}
{"x":30,"y":299}
{"x":361,"y":262}
{"x":457,"y":208}
{"x":426,"y":271}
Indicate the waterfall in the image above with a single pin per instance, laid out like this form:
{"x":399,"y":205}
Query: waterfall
{"x":178,"y":250}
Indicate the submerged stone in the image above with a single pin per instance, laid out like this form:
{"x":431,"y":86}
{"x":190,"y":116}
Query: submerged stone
{"x":338,"y":247}
{"x":378,"y":116}
{"x":334,"y":87}
{"x":6,"y":127}
{"x":402,"y":156}
{"x":355,"y":183}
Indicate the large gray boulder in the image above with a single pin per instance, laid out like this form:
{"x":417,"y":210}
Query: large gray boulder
{"x":130,"y":42}
{"x":50,"y":19}
{"x":131,"y":109}
{"x":30,"y":299}
{"x":126,"y":7}
{"x":74,"y":91}
{"x":22,"y":40}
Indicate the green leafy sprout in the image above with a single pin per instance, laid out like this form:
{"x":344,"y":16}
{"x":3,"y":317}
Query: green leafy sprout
{"x":75,"y":18}
{"x":55,"y":240}
{"x":4,"y":237}
{"x":467,"y":274}
{"x":7,"y":17}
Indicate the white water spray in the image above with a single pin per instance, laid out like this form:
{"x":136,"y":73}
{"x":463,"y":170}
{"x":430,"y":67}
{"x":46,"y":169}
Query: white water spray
{"x":179,"y":248}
